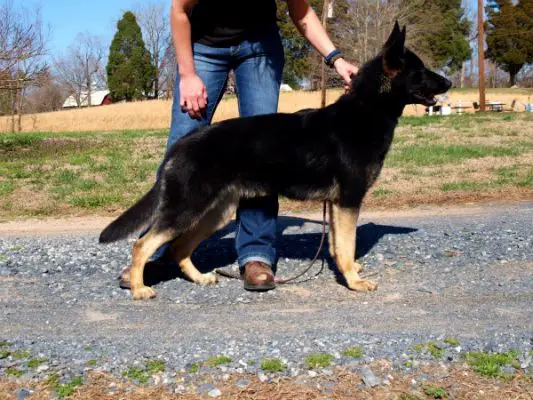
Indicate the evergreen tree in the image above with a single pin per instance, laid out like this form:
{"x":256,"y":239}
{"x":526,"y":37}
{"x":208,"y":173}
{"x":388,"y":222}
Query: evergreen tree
{"x":510,"y":35}
{"x":442,"y":31}
{"x":130,"y":73}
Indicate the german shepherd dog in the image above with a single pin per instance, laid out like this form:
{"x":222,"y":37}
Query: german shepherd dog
{"x":332,"y":154}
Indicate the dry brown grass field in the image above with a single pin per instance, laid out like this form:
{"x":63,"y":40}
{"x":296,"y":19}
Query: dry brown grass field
{"x":156,"y":114}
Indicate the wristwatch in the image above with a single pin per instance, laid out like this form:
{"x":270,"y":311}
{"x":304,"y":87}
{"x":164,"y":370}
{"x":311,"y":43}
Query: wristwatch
{"x":330,"y":59}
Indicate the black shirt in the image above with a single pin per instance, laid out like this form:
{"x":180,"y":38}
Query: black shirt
{"x":223,"y":23}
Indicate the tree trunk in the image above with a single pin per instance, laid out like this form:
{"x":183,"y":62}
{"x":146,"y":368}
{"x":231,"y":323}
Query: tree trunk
{"x":462,"y":81}
{"x":512,"y":78}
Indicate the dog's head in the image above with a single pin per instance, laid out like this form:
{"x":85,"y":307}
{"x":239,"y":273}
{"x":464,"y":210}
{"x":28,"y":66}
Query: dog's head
{"x":405,"y":75}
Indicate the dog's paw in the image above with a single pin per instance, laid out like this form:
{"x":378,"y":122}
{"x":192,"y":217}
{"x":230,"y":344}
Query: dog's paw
{"x":362,"y":285}
{"x":143,"y":293}
{"x":208,"y":279}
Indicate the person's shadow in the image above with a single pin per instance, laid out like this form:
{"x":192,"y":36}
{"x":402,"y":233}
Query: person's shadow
{"x":219,"y":251}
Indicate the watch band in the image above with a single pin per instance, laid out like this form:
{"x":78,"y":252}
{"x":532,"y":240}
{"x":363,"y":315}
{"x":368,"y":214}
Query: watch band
{"x":330,"y":59}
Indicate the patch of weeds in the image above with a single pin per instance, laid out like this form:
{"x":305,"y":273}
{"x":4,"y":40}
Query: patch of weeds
{"x":52,"y":380}
{"x":435,"y":392}
{"x":14,"y":372}
{"x":4,"y":354}
{"x":431,"y":347}
{"x":20,"y":354}
{"x":273,"y":365}
{"x":194,"y":368}
{"x":155,"y":366}
{"x":136,"y":374}
{"x":489,"y":364}
{"x":66,"y":389}
{"x":451,"y":341}
{"x":88,"y":348}
{"x":353,"y":352}
{"x":4,"y":343}
{"x":408,"y":364}
{"x":215,"y":361}
{"x":508,"y":117}
{"x":381,"y":192}
{"x":91,"y":363}
{"x":319,"y":360}
{"x":435,"y":350}
{"x":251,"y":362}
{"x":463,"y":185}
{"x":35,"y":362}
{"x":6,"y":188}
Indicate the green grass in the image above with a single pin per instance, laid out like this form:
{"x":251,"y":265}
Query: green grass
{"x":194,"y":368}
{"x":438,"y":154}
{"x":489,"y":364}
{"x":353,"y":352}
{"x":14,"y":372}
{"x":4,"y":354}
{"x":64,"y":389}
{"x":92,"y":172}
{"x":435,"y":392}
{"x":136,"y":374}
{"x":273,"y":365}
{"x":215,"y":361}
{"x":431,"y":347}
{"x":318,"y":360}
{"x":20,"y":354}
{"x":91,"y":363}
{"x":35,"y":362}
{"x":451,"y":341}
{"x":155,"y":366}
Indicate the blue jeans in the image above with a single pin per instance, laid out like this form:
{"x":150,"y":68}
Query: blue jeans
{"x":258,"y":65}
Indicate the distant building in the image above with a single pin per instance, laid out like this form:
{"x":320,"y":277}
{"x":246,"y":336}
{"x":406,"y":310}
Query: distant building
{"x":285,"y":88}
{"x":98,"y":98}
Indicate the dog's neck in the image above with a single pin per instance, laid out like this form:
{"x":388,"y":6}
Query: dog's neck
{"x":372,"y":91}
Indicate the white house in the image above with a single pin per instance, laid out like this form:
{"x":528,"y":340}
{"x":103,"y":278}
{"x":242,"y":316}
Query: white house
{"x":98,"y":98}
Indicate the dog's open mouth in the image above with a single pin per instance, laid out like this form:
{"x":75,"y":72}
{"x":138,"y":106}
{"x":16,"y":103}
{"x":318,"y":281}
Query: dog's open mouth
{"x":425,"y":99}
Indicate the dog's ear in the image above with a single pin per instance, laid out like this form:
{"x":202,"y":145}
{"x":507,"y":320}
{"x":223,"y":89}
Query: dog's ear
{"x":394,"y":51}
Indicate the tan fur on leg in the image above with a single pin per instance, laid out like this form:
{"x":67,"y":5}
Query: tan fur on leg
{"x":345,"y":228}
{"x":184,"y":245}
{"x":142,"y":251}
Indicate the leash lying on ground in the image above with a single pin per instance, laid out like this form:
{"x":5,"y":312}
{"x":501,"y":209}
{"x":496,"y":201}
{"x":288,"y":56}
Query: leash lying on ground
{"x":281,"y":281}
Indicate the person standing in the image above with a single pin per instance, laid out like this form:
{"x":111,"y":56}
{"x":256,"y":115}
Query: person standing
{"x":211,"y":38}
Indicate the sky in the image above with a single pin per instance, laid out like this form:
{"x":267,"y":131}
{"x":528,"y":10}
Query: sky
{"x":67,"y":18}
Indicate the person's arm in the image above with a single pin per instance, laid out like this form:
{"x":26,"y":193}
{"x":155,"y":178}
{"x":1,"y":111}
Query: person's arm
{"x":310,"y":27}
{"x":193,"y":93}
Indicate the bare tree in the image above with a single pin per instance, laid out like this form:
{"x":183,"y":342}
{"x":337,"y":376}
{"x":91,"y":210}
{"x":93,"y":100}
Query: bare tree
{"x":153,"y":18}
{"x":22,"y":50}
{"x":168,"y":71}
{"x":81,"y":69}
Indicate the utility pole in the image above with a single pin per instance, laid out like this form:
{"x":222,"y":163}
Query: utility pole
{"x":481,"y":55}
{"x":325,"y":10}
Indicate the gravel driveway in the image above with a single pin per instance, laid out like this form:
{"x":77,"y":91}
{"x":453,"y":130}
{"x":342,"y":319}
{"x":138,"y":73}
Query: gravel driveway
{"x":467,"y":276}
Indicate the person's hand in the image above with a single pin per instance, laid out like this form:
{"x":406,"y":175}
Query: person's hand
{"x":193,"y":95}
{"x":345,"y":70}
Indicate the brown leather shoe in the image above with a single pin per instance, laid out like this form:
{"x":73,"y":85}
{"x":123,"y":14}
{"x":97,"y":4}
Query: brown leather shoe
{"x":258,"y":276}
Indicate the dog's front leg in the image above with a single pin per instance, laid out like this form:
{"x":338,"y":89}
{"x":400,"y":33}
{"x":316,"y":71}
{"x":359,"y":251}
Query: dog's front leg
{"x":344,"y":221}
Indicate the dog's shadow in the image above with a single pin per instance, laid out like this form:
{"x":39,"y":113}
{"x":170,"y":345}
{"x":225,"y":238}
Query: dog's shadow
{"x":219,"y":251}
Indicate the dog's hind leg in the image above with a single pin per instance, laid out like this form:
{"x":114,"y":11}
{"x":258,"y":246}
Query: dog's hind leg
{"x":185,"y":244}
{"x":344,"y":232}
{"x":142,"y":250}
{"x":331,"y":231}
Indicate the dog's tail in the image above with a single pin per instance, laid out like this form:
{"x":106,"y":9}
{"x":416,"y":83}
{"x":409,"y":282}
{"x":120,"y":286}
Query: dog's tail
{"x":139,"y":215}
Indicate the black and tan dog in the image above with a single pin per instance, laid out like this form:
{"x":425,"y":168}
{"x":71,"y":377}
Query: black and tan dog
{"x":334,"y":154}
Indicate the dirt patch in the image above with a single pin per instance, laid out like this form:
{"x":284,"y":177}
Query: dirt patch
{"x":457,"y":382}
